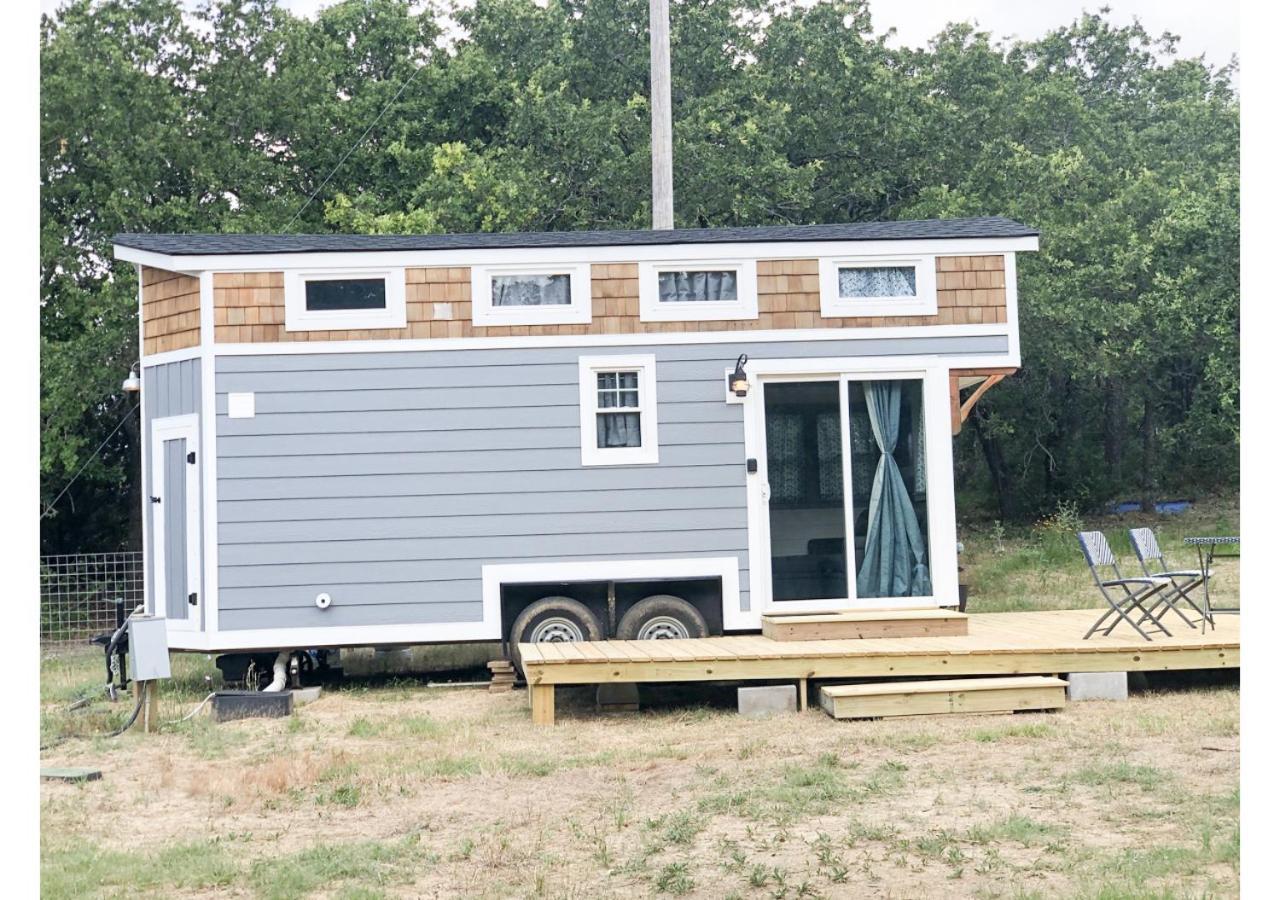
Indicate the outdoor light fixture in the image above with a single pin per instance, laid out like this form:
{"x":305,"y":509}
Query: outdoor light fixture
{"x":738,"y":380}
{"x":133,"y":383}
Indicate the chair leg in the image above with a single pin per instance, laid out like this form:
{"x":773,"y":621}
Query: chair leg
{"x":1119,"y":614}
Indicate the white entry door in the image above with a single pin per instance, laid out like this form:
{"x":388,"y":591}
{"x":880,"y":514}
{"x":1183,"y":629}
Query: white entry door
{"x":853,"y":495}
{"x":175,"y":520}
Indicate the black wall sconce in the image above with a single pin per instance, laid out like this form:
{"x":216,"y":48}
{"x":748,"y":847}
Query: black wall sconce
{"x":738,"y":380}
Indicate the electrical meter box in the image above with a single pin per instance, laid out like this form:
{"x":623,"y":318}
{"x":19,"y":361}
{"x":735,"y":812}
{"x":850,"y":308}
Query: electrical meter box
{"x":148,"y":648}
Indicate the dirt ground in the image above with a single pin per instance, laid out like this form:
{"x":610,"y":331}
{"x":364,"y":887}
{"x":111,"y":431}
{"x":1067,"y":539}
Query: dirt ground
{"x":410,"y":791}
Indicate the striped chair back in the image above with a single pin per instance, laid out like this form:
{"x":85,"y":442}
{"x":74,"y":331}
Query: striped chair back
{"x":1144,"y":544}
{"x":1097,"y":552}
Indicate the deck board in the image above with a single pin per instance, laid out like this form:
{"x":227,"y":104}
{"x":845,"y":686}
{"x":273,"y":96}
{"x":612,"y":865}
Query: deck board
{"x":997,"y":644}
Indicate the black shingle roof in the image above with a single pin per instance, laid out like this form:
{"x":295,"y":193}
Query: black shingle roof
{"x":220,"y":244}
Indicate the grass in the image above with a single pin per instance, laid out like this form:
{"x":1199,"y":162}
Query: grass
{"x":1147,"y":778}
{"x":1017,"y":828}
{"x":1012,"y":568}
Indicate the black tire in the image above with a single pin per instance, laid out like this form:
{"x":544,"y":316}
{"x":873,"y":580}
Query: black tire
{"x":662,"y":617}
{"x":553,"y":619}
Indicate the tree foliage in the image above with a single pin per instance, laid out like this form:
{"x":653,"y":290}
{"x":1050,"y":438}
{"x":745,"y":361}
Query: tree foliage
{"x":534,"y":116}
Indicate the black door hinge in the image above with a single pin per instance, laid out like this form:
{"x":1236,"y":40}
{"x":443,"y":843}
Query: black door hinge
{"x":191,"y":457}
{"x":155,"y":499}
{"x":191,"y":598}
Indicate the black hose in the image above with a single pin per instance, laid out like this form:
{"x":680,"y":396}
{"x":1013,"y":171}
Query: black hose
{"x":133,"y":717}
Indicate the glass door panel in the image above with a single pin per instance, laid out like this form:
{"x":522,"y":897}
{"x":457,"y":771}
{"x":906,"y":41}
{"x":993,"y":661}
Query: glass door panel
{"x":804,"y":463}
{"x":889,"y":488}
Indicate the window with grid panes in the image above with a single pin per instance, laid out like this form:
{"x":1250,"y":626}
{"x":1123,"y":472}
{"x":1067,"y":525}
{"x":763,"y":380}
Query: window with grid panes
{"x":618,"y":419}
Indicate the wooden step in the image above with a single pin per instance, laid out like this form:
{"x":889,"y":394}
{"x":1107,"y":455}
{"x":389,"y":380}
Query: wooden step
{"x":931,"y":698}
{"x":865,"y":623}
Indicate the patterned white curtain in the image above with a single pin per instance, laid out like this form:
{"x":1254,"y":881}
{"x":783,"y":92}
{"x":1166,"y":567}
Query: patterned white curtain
{"x":697,"y":287}
{"x":878,"y":281}
{"x":531,"y":290}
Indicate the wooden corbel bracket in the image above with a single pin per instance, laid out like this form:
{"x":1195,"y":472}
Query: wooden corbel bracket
{"x":990,"y":378}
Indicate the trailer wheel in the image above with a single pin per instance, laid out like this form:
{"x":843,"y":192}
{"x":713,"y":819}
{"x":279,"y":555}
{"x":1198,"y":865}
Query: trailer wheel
{"x":662,"y":617}
{"x":553,"y":620}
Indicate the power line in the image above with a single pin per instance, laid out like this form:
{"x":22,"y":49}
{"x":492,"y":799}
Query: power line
{"x":353,"y":147}
{"x":48,"y":509}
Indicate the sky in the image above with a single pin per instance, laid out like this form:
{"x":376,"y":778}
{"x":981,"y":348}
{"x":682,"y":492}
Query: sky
{"x":1209,"y":28}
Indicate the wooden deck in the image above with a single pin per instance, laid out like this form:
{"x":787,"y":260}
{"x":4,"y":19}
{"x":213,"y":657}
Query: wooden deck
{"x":1024,"y":643}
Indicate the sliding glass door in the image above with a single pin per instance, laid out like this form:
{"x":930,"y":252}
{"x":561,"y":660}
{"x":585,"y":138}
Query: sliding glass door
{"x":847,"y":488}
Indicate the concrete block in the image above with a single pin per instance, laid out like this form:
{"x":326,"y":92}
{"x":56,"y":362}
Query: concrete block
{"x":1097,"y":686}
{"x":617,"y":697}
{"x":305,"y":694}
{"x":767,"y":700}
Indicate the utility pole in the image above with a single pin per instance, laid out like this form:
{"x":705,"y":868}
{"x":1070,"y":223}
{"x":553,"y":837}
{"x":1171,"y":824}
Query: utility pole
{"x":660,"y":106}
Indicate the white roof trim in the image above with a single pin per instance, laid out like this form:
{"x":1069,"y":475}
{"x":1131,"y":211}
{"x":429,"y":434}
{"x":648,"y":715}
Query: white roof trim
{"x":256,"y":262}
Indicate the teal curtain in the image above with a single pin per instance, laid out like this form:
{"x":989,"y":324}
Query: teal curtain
{"x":893,"y":563}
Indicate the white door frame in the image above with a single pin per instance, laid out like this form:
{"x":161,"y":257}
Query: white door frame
{"x":172,"y":428}
{"x":941,"y":498}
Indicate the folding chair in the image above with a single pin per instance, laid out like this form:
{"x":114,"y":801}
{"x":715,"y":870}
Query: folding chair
{"x":1181,"y":581}
{"x":1138,"y":593}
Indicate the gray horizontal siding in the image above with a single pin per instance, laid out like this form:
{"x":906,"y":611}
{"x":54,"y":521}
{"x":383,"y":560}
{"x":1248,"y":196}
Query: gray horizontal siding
{"x":171,"y":389}
{"x":389,"y":479}
{"x":312,"y":444}
{"x":461,"y":506}
{"x":361,"y":530}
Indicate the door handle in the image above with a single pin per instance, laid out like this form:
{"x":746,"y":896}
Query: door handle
{"x":155,"y":499}
{"x":191,"y":598}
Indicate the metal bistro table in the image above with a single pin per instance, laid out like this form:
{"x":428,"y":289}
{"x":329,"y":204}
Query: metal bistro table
{"x":1205,"y":547}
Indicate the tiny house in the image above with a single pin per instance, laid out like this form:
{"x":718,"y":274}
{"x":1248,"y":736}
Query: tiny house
{"x":385,"y":439}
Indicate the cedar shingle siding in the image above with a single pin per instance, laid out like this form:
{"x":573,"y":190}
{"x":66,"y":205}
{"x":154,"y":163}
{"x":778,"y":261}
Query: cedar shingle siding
{"x":170,"y":311}
{"x":249,"y":307}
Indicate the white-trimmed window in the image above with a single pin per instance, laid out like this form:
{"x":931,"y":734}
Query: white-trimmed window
{"x":878,"y":286}
{"x":531,"y":294}
{"x":619,"y":408}
{"x":332,"y":300}
{"x":697,"y":291}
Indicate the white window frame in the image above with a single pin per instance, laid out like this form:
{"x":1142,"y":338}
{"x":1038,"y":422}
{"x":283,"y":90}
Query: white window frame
{"x":653,"y":310}
{"x":924,"y":303}
{"x":298,"y":318}
{"x":577,"y":312}
{"x":647,"y":452}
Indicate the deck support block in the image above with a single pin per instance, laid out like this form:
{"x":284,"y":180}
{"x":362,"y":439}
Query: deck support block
{"x":766,"y":700}
{"x":542,"y":698}
{"x":617,"y":696}
{"x":1097,"y":686}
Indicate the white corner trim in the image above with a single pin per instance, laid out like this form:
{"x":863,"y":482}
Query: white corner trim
{"x":924,"y":303}
{"x":298,"y":318}
{"x":1011,"y":307}
{"x":653,"y":310}
{"x":577,"y":312}
{"x":144,"y":458}
{"x":208,"y":458}
{"x":647,"y":453}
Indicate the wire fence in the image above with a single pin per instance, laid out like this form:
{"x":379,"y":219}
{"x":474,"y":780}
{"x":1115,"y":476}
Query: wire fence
{"x":79,"y":593}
